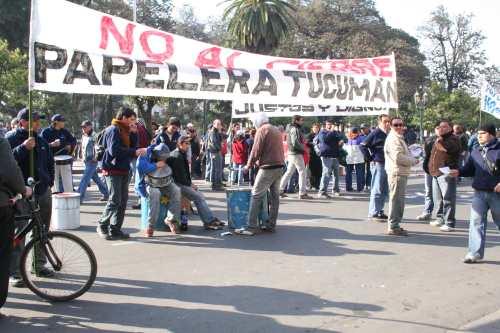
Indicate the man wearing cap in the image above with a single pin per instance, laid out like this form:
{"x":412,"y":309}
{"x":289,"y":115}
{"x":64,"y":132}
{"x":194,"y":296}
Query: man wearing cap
{"x":178,"y":161}
{"x":61,"y":143}
{"x":483,"y":165}
{"x":155,"y":181}
{"x":24,"y":144}
{"x":89,"y":158}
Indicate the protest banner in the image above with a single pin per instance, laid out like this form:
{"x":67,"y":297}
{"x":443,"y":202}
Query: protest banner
{"x":248,"y":109}
{"x":80,"y":50}
{"x":490,"y":100}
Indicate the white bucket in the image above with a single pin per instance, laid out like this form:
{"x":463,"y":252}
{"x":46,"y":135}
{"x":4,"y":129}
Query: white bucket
{"x":65,"y":211}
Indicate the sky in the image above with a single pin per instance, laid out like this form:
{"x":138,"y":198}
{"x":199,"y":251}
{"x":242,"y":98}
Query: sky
{"x":407,"y":15}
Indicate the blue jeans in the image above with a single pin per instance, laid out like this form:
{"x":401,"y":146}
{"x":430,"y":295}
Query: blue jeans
{"x":329,"y":164}
{"x":360,"y":176}
{"x":444,"y":192}
{"x":481,"y":203}
{"x":90,"y":173}
{"x":208,"y":166}
{"x":379,"y":189}
{"x":206,"y":215}
{"x":216,"y":169}
{"x":368,"y":172}
{"x":237,"y":174}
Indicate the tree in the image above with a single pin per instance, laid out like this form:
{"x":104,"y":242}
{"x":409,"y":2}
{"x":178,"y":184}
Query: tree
{"x":259,"y":25}
{"x":13,"y":78}
{"x":456,"y":55}
{"x":14,"y":23}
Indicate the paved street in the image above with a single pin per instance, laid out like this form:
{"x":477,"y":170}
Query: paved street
{"x":327,"y":269}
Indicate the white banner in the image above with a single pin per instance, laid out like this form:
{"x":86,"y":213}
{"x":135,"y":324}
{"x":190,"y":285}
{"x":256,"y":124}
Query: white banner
{"x":490,"y":100}
{"x":78,"y":50}
{"x":247,"y":109}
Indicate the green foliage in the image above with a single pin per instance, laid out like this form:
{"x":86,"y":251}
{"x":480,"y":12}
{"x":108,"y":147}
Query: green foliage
{"x":259,"y":25}
{"x":13,"y":77}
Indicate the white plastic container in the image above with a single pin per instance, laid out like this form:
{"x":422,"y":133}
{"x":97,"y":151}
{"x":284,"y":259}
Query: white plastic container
{"x":65,"y":211}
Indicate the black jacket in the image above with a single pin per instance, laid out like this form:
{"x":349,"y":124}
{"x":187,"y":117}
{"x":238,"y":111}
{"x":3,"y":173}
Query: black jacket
{"x":483,"y":179}
{"x":180,"y":167}
{"x":164,"y":138}
{"x":11,"y":177}
{"x":43,"y":159}
{"x":51,"y":134}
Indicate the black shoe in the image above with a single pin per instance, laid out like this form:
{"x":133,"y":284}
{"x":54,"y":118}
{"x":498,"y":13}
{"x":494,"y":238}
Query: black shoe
{"x":136,"y":206}
{"x":103,"y":199}
{"x":118,"y":235}
{"x":383,"y":216}
{"x":16,"y":282}
{"x":43,"y":272}
{"x":184,"y":227}
{"x":103,"y":233}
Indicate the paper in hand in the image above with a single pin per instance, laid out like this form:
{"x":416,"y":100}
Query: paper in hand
{"x":445,"y":170}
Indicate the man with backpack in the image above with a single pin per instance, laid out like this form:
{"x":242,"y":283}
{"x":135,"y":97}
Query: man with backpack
{"x":119,"y":148}
{"x":295,"y":158}
{"x":90,"y":161}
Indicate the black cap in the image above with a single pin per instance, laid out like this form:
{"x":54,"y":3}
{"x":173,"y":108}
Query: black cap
{"x":57,"y":117}
{"x":86,"y":123}
{"x":24,"y":115}
{"x":489,"y":128}
{"x":363,"y":126}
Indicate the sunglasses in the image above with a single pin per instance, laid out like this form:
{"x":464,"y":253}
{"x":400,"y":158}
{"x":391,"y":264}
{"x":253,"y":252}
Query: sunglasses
{"x":397,"y":125}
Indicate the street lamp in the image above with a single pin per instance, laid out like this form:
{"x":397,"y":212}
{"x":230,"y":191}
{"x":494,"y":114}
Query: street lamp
{"x":421,"y":99}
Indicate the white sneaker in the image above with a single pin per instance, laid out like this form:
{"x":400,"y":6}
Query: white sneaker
{"x":446,"y":228}
{"x":424,"y":217}
{"x":336,"y":194}
{"x":436,"y":223}
{"x":472,"y":259}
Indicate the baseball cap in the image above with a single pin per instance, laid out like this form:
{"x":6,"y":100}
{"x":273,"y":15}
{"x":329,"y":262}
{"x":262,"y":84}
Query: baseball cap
{"x":363,"y":126}
{"x":24,"y":115}
{"x":57,"y":117}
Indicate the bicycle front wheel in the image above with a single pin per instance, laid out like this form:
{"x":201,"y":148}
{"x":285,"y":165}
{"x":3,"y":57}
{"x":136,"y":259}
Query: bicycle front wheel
{"x":60,"y":269}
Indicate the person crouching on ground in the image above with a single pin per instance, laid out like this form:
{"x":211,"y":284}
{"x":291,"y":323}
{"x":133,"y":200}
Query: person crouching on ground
{"x":398,"y":163}
{"x":267,"y":154}
{"x":178,"y":161}
{"x":483,"y":165}
{"x":156,"y":181}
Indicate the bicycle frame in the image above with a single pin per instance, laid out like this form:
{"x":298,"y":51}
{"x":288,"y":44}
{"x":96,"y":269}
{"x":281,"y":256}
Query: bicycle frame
{"x":39,"y":229}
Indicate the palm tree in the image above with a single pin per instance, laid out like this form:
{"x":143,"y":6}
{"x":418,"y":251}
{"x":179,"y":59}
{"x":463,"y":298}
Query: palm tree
{"x":259,"y":25}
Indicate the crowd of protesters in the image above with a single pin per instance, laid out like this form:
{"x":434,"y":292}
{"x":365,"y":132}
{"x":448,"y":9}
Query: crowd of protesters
{"x":275,"y":161}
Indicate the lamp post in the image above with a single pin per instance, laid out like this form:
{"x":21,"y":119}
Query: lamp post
{"x":420,"y":103}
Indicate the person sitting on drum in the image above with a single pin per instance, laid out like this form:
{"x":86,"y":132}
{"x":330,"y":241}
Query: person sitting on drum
{"x":62,"y":144}
{"x":155,"y":181}
{"x":178,"y":161}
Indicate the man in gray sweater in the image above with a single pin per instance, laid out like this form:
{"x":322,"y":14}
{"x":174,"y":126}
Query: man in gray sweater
{"x":11,"y":184}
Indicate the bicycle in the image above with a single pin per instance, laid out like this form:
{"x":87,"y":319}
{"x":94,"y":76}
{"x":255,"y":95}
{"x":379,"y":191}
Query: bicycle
{"x":72,"y":260}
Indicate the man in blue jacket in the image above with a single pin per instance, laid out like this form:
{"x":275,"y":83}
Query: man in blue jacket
{"x":330,"y":142}
{"x":22,"y":144}
{"x":483,"y":165}
{"x":61,"y":143}
{"x":373,"y":149}
{"x":119,"y":149}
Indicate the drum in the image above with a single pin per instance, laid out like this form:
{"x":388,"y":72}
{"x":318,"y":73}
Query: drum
{"x":65,"y":211}
{"x":63,"y":159}
{"x":238,"y":206}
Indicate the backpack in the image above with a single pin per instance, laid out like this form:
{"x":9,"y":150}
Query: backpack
{"x":99,"y":147}
{"x":317,"y":145}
